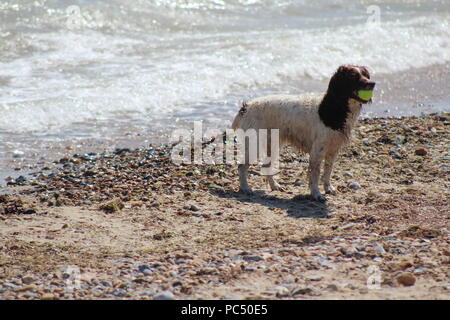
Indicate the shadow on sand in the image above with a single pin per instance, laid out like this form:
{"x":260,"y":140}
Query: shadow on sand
{"x":300,"y":206}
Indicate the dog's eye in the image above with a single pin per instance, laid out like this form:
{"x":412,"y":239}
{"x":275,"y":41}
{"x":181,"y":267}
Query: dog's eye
{"x":365,"y":72}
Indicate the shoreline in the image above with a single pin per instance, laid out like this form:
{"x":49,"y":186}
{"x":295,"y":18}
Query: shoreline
{"x":400,"y":94}
{"x":138,"y":227}
{"x":24,"y":165}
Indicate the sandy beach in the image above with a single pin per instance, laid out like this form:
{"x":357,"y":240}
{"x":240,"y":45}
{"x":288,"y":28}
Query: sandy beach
{"x":132,"y":225}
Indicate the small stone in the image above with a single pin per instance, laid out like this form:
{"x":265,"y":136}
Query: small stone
{"x":48,"y":296}
{"x":106,"y":283}
{"x":113,"y":206}
{"x":396,"y":155}
{"x":119,"y":293}
{"x":379,"y":248}
{"x":348,"y":174}
{"x":314,"y":278}
{"x":302,"y":291}
{"x":192,"y":208}
{"x":404,"y":265}
{"x":406,"y":279}
{"x":144,"y":267}
{"x":26,"y":288}
{"x":250,"y":257}
{"x":282,"y":291}
{"x":164,"y":295}
{"x":332,"y":287}
{"x":421,"y":270}
{"x":20,"y":180}
{"x":421,"y":152}
{"x":350,"y":252}
{"x":348,"y":226}
{"x":147,"y":272}
{"x":18,"y":154}
{"x":363,"y":291}
{"x":207,"y":270}
{"x":354,"y":185}
{"x":250,"y":268}
{"x":298,"y":183}
{"x":27,"y":280}
{"x":29,"y":211}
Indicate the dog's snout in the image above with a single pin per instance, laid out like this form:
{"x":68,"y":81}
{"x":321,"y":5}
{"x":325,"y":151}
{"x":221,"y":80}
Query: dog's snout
{"x":369,"y":85}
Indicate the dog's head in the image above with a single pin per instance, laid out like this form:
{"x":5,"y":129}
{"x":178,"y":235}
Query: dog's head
{"x":352,"y":82}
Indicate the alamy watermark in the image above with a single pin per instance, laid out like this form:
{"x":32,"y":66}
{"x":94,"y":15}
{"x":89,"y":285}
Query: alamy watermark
{"x":78,"y":18}
{"x":230,"y":147}
{"x":374,"y":279}
{"x":72,"y":277}
{"x":374,"y":19}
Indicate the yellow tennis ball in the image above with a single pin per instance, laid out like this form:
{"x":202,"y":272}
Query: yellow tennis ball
{"x":365,"y":94}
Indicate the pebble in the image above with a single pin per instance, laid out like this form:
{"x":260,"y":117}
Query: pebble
{"x":282,"y":291}
{"x":26,"y":288}
{"x":348,"y":174}
{"x":332,"y":287}
{"x":18,"y":154}
{"x":145,"y":269}
{"x":48,"y":296}
{"x":354,"y":185}
{"x":404,"y":265}
{"x":379,"y":248}
{"x":250,"y":268}
{"x":421,"y":270}
{"x":250,"y":257}
{"x":207,"y":270}
{"x":192,"y":208}
{"x":396,"y":155}
{"x":421,"y":152}
{"x":119,"y":293}
{"x":314,"y":278}
{"x":348,"y":226}
{"x":302,"y":291}
{"x":406,"y":279}
{"x":164,"y":295}
{"x":298,"y":183}
{"x":326,"y":263}
{"x":350,"y":252}
{"x":27,"y":280}
{"x":105,"y":283}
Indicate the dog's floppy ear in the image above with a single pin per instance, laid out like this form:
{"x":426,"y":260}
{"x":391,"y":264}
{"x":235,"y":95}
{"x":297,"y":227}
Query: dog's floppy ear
{"x":339,"y":85}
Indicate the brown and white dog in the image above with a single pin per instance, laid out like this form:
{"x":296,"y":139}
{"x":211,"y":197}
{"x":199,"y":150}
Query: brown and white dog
{"x":316,"y":124}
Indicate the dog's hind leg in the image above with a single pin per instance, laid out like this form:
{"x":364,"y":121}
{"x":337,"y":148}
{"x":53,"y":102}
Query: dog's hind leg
{"x":271,"y":162}
{"x":328,"y":167}
{"x":243,"y":174}
{"x":274,"y":186}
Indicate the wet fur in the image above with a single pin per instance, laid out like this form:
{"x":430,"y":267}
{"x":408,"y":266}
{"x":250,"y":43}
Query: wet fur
{"x":318,"y":124}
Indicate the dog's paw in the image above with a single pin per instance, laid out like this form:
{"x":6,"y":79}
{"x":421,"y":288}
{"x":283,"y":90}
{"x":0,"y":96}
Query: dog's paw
{"x":245,"y":190}
{"x":318,"y":197}
{"x":276,"y":187}
{"x":329,"y":189}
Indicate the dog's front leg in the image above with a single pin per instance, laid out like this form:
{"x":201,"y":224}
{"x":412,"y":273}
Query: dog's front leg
{"x":315,"y":160}
{"x":330,"y":157}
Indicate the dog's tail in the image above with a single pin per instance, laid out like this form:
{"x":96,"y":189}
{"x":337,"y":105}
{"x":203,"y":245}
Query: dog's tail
{"x":234,"y":125}
{"x":239,"y":116}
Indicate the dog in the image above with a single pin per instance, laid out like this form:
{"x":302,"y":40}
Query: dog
{"x":318,"y":124}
